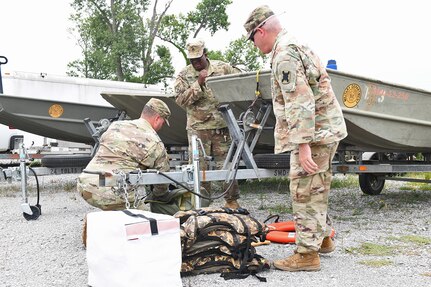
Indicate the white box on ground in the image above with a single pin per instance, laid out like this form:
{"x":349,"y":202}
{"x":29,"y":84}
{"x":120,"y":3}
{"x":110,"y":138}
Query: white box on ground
{"x":125,"y":250}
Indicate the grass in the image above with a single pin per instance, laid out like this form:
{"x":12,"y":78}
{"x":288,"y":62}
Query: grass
{"x":35,"y":163}
{"x":417,"y":185}
{"x":277,"y":209}
{"x":281,"y":184}
{"x":11,"y":189}
{"x":69,"y":186}
{"x":274,"y":184}
{"x":368,"y":248}
{"x":415,"y":239}
{"x":347,"y":181}
{"x":376,"y":263}
{"x":373,"y":249}
{"x":401,"y":198}
{"x":280,"y":209}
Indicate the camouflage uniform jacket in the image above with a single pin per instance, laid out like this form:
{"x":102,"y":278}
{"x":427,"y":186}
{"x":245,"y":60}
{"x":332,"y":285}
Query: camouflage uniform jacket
{"x":131,"y":145}
{"x":304,"y":103}
{"x":199,"y":101}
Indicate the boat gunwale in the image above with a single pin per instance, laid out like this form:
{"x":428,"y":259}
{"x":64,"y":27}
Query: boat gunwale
{"x":330,"y":71}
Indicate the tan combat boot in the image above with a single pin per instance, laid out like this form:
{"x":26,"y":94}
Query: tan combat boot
{"x":299,"y":262}
{"x":327,"y":246}
{"x":232,"y":204}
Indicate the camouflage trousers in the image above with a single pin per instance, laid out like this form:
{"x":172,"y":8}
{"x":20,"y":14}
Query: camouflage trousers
{"x":216,"y":143}
{"x":103,"y":197}
{"x":309,"y":195}
{"x":106,"y":199}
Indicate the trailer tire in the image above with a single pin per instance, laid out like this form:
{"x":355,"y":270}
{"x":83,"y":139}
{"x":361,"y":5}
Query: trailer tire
{"x":65,"y":161}
{"x":272,"y":161}
{"x":371,"y":184}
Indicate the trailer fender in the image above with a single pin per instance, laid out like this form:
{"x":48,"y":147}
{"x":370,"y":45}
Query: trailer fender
{"x":368,"y":155}
{"x":76,"y":160}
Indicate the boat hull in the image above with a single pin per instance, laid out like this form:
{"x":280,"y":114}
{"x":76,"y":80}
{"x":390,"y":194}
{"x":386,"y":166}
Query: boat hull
{"x":379,"y":116}
{"x":53,"y":119}
{"x":132,"y":104}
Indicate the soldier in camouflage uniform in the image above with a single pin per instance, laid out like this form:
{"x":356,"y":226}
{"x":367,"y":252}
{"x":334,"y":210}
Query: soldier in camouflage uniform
{"x":126,"y":146}
{"x":310,"y":124}
{"x":203,"y":118}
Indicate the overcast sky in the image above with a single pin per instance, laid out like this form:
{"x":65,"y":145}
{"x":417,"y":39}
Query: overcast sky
{"x":384,"y":40}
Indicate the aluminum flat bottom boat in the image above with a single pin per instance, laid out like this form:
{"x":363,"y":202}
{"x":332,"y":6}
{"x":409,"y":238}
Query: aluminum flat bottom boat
{"x":380,"y":116}
{"x":53,"y":119}
{"x":132,"y":104}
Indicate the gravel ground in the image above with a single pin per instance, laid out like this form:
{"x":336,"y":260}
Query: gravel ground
{"x":48,"y":251}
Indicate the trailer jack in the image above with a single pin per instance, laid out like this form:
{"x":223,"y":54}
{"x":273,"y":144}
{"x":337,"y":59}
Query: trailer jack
{"x":30,"y":212}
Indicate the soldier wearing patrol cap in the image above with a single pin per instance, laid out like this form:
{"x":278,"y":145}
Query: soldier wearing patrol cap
{"x":127,"y":146}
{"x":310,"y":125}
{"x":203,"y":118}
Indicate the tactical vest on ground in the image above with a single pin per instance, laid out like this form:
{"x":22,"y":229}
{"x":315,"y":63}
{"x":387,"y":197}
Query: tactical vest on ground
{"x":219,"y":240}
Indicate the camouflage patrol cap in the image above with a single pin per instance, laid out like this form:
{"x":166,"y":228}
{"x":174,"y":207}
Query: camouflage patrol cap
{"x":195,"y":48}
{"x":257,"y":18}
{"x":160,"y":107}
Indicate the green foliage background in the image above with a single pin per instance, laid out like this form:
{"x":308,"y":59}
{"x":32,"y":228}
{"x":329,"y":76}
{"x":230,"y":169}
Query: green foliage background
{"x":133,"y":40}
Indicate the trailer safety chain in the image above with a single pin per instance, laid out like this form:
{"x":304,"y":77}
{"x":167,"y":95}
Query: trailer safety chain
{"x":123,"y":187}
{"x":138,"y":195}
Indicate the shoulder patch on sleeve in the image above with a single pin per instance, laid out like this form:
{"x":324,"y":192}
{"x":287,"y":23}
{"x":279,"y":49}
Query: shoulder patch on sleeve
{"x":286,"y":75}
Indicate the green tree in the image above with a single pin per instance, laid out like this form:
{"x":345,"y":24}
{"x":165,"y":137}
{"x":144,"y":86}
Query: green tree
{"x":242,"y":54}
{"x":107,"y":32}
{"x":209,"y":15}
{"x":117,"y":42}
{"x":176,"y":29}
{"x":120,"y":39}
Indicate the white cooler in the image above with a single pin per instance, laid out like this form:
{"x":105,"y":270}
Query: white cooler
{"x":126,"y":250}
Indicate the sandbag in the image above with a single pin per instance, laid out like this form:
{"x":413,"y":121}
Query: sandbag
{"x":219,"y":240}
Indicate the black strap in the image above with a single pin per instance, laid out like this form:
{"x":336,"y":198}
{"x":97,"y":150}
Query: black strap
{"x":235,"y":275}
{"x":153,"y":222}
{"x":276,"y":216}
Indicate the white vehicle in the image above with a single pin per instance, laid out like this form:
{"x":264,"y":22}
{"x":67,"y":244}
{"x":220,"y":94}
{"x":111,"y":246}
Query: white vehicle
{"x":10,"y":139}
{"x":49,"y":110}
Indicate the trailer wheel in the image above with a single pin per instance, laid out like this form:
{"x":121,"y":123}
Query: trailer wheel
{"x":371,"y":184}
{"x":272,"y":160}
{"x":35,"y":215}
{"x":66,"y":161}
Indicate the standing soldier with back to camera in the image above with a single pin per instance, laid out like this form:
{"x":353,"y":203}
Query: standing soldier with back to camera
{"x":309,"y":124}
{"x":203,"y":118}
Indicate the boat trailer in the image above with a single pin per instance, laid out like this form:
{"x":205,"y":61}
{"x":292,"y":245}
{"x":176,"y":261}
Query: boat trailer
{"x":240,"y":163}
{"x":372,"y":168}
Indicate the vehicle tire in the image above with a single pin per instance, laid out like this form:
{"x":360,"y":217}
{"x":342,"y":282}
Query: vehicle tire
{"x":78,"y":160}
{"x":272,"y":161}
{"x":371,"y":184}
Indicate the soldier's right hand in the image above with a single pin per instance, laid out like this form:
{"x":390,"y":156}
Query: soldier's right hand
{"x":202,"y":77}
